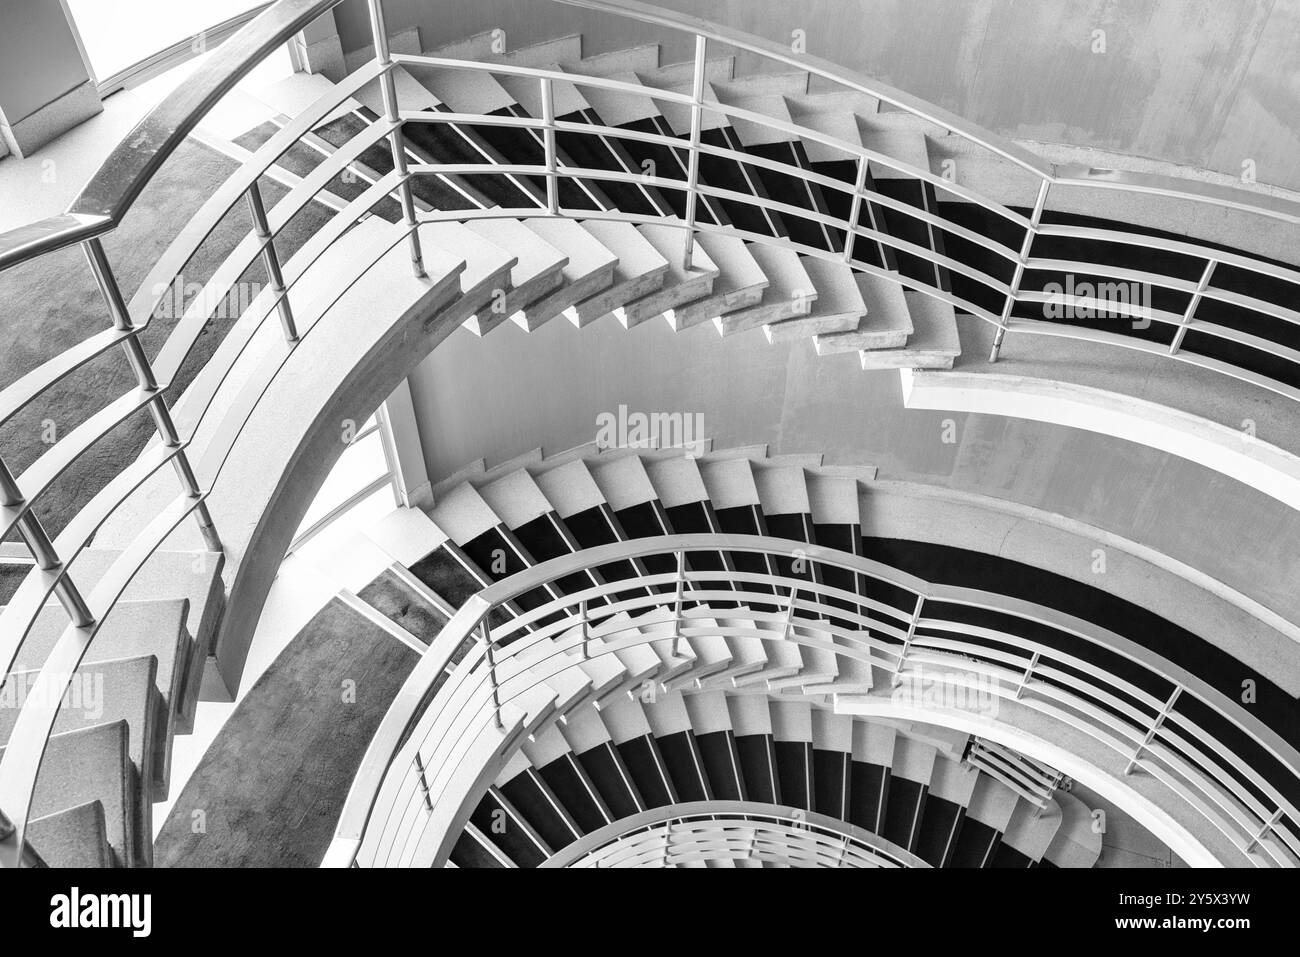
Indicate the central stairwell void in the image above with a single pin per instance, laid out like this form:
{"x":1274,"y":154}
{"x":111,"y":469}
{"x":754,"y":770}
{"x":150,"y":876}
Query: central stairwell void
{"x":606,"y":658}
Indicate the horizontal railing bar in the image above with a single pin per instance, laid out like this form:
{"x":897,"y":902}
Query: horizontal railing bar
{"x":18,"y":616}
{"x":38,"y":477}
{"x":15,"y":396}
{"x":1165,"y":244}
{"x":232,"y":191}
{"x":1099,"y":337}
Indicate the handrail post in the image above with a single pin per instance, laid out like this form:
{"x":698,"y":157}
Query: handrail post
{"x":586,"y":630}
{"x":147,"y":381}
{"x":1206,"y":275}
{"x":548,"y":141}
{"x":424,"y":782}
{"x":1269,"y":825}
{"x":43,"y":551}
{"x":271,"y":261}
{"x":1031,"y":233}
{"x":1155,"y":728}
{"x":380,"y":30}
{"x":485,"y":634}
{"x":1029,"y":671}
{"x":859,"y":185}
{"x":907,"y":642}
{"x":677,"y":605}
{"x":693,"y":164}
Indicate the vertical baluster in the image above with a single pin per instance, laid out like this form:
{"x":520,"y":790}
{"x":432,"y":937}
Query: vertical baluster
{"x":859,"y":185}
{"x":485,"y":634}
{"x":380,"y":30}
{"x":907,"y":642}
{"x":271,"y":261}
{"x":43,"y":551}
{"x":677,"y":605}
{"x":1030,"y":233}
{"x":548,"y":140}
{"x":158,"y":407}
{"x":1206,"y":275}
{"x":693,"y":166}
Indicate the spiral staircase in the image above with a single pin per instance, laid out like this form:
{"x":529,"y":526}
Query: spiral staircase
{"x":689,"y":657}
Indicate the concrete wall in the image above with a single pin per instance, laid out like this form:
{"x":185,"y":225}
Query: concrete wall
{"x":512,"y":391}
{"x":1197,"y":82}
{"x":45,"y":87}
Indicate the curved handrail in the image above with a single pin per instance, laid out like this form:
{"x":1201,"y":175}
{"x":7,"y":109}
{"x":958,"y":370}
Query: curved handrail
{"x":1163,"y":738}
{"x":833,"y":840}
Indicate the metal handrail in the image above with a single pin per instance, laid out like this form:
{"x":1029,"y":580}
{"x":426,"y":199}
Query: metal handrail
{"x":110,"y":194}
{"x":808,"y":835}
{"x":1157,"y":735}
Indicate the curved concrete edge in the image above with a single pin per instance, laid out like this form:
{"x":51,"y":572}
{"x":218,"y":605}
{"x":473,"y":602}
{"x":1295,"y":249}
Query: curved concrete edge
{"x":1080,"y":756}
{"x":279,"y":419}
{"x":1185,"y":596}
{"x":1231,"y":452}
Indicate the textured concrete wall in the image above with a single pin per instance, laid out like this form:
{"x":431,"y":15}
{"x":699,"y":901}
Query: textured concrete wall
{"x":513,"y":391}
{"x":1197,"y":82}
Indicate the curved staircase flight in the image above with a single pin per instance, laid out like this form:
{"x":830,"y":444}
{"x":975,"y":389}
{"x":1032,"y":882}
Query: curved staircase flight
{"x":540,"y":183}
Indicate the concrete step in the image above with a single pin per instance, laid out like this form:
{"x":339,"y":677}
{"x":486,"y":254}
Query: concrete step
{"x":590,"y":269}
{"x":933,"y":343}
{"x":152,"y":630}
{"x":485,"y":281}
{"x":752,"y":134}
{"x":640,"y":271}
{"x":1077,"y":842}
{"x":538,"y":269}
{"x":103,"y":692}
{"x":76,"y":837}
{"x":680,"y":286}
{"x":838,"y":306}
{"x":887,"y":324}
{"x":790,"y":291}
{"x":94,"y":764}
{"x":740,"y":283}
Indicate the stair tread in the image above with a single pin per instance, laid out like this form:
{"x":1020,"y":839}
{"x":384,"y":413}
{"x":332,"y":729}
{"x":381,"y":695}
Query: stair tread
{"x":838,"y":306}
{"x":681,"y":285}
{"x":538,"y":267}
{"x":753,"y":134}
{"x":887,"y":324}
{"x":640,"y":270}
{"x":934,"y":337}
{"x":839,"y":125}
{"x":740,"y":282}
{"x":629,"y":60}
{"x":617,"y":108}
{"x":74,"y":837}
{"x":789,"y":286}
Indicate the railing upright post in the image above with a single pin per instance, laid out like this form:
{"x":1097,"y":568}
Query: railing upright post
{"x":1029,"y":671}
{"x":1030,"y":233}
{"x":1156,"y":724}
{"x":485,"y":633}
{"x":271,"y":262}
{"x":43,"y":551}
{"x":548,"y":141}
{"x":693,"y":165}
{"x":586,"y":630}
{"x":1263,"y":831}
{"x":146,"y":380}
{"x":859,"y":185}
{"x":380,"y":30}
{"x":677,"y":605}
{"x":907,"y":641}
{"x":424,"y":783}
{"x":1206,"y":275}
